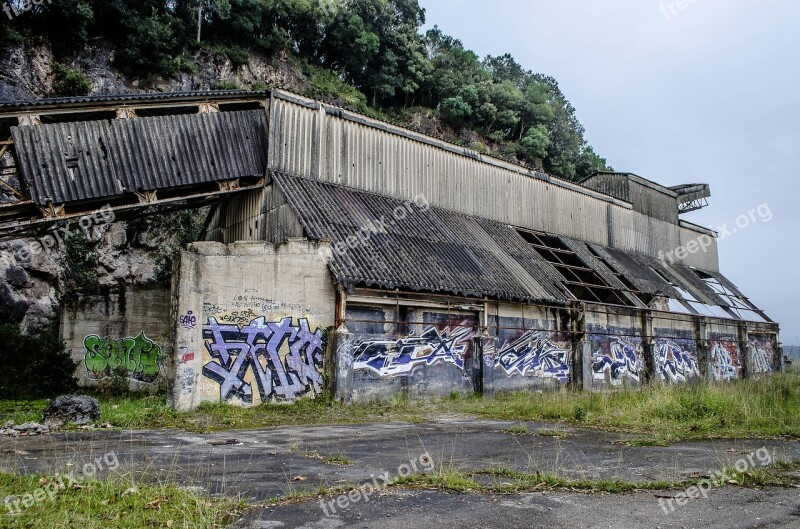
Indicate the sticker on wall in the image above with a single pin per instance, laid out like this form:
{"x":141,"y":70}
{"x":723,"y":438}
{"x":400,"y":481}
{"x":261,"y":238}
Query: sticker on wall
{"x":137,"y":358}
{"x":390,"y":358}
{"x":535,"y":354}
{"x":282,"y":359}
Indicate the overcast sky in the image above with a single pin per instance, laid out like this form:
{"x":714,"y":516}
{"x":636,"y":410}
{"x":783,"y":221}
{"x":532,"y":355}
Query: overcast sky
{"x":708,"y":93}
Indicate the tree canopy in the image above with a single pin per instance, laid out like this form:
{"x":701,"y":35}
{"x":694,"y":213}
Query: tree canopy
{"x":377,"y":46}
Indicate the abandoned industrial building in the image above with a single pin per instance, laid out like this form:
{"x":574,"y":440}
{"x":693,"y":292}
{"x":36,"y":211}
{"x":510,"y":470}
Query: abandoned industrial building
{"x":345,"y":256}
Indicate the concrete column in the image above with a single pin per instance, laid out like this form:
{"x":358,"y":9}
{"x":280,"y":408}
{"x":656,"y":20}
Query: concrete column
{"x":745,"y":354}
{"x":650,"y":367}
{"x":581,"y":357}
{"x":703,"y":349}
{"x":342,"y":364}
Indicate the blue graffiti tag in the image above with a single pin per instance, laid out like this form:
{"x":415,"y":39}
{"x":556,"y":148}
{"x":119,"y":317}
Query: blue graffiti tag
{"x":387,"y":358}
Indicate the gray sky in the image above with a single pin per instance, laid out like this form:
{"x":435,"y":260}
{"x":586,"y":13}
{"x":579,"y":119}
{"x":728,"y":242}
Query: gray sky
{"x":709,"y":93}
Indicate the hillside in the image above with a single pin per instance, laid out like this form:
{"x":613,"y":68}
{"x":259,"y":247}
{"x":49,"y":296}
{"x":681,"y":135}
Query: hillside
{"x":367,"y":55}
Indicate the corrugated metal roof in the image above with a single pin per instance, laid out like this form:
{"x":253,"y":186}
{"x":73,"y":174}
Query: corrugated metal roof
{"x":429,"y":249}
{"x":65,"y":162}
{"x":77,"y":101}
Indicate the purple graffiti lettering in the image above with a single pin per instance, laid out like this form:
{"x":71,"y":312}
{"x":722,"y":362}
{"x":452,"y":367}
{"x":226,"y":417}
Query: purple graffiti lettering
{"x":260,"y":346}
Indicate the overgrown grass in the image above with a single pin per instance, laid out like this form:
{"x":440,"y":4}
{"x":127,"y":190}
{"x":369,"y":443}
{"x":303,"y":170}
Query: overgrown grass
{"x":503,"y":480}
{"x":764,"y":408}
{"x":111,"y":503}
{"x":507,"y":481}
{"x":769,"y":407}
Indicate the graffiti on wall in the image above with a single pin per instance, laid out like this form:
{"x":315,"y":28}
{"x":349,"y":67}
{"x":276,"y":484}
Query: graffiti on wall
{"x":617,"y":362}
{"x":534,"y":354}
{"x":284,"y":360}
{"x":674,"y":363}
{"x":138,"y":358}
{"x":763,"y":354}
{"x":390,"y":358}
{"x":724,"y":360}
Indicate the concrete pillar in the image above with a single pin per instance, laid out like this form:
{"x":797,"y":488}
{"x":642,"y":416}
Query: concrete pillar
{"x":650,"y":363}
{"x":581,"y":361}
{"x":489,"y":347}
{"x":703,"y":349}
{"x":342,"y":364}
{"x":745,"y":354}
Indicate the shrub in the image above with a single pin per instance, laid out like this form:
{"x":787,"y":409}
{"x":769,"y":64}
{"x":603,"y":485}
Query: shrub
{"x":69,"y":82}
{"x":35,"y":364}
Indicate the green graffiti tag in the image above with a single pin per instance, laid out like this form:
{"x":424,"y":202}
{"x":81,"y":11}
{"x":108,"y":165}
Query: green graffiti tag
{"x":138,"y":358}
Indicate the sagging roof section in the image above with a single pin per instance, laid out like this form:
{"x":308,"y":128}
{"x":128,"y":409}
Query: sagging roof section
{"x":79,"y":161}
{"x":387,"y":243}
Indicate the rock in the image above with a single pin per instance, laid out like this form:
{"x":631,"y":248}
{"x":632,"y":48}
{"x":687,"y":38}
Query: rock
{"x":71,"y":408}
{"x":9,"y":431}
{"x":31,"y":428}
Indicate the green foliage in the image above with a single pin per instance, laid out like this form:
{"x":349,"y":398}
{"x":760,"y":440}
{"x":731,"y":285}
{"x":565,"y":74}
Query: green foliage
{"x":79,"y":265}
{"x":227,"y":84}
{"x":368,"y":54}
{"x":67,"y":82}
{"x":187,"y":226}
{"x":35,"y":364}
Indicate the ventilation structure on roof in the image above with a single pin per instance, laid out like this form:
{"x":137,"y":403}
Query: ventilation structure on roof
{"x":735,"y":304}
{"x":580,"y":280}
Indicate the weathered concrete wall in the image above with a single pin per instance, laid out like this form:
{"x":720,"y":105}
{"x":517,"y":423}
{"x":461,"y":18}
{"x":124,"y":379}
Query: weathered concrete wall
{"x":529,"y":348}
{"x":385,"y":350}
{"x":618,"y":351}
{"x":250,"y":322}
{"x":676,"y":356}
{"x":120,"y":336}
{"x":407,"y":351}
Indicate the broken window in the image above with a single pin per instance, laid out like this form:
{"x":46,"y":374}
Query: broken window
{"x":737,"y":305}
{"x":581,"y":281}
{"x":635,"y":292}
{"x":688,"y":300}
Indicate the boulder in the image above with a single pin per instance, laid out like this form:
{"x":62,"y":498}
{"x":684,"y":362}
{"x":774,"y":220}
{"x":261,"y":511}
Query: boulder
{"x":71,"y":408}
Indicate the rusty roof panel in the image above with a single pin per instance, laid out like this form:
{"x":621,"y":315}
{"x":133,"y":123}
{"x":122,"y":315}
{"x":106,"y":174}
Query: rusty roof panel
{"x":66,"y":162}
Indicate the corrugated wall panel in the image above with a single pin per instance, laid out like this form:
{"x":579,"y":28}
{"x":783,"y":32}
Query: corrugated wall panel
{"x":707,"y":259}
{"x":372,"y":159}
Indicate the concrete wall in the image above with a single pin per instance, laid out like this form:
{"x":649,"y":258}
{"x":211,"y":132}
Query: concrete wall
{"x":250,"y":322}
{"x":121,"y":336}
{"x":529,"y":347}
{"x":318,"y":141}
{"x":387,"y":349}
{"x":407,"y":351}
